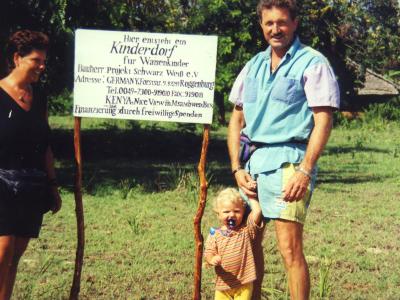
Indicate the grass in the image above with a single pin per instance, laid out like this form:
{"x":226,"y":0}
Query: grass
{"x":139,"y":200}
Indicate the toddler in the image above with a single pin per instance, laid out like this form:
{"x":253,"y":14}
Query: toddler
{"x":229,"y":247}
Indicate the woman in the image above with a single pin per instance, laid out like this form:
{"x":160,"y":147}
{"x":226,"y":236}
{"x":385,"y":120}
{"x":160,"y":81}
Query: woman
{"x":28,"y":185}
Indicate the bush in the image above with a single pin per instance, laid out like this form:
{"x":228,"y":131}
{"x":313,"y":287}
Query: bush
{"x":375,"y":115}
{"x":61,"y":104}
{"x":388,"y":111}
{"x":339,"y":119}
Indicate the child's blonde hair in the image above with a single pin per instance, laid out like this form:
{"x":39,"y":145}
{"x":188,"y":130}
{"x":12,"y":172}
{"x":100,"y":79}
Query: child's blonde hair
{"x":229,"y":194}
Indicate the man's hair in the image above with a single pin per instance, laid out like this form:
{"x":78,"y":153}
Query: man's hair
{"x":24,"y":42}
{"x":290,"y":5}
{"x":229,"y":194}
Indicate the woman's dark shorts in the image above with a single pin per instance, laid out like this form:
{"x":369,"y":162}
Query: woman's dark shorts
{"x":20,"y":216}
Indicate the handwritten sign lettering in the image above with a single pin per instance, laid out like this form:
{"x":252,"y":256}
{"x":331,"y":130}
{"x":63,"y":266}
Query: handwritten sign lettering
{"x":144,"y":76}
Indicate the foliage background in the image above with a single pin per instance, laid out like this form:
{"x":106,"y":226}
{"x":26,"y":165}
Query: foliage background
{"x":364,"y":31}
{"x":352,"y":240}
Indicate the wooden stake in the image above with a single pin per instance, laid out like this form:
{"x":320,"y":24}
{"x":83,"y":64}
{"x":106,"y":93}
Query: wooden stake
{"x":76,"y":283}
{"x":199,"y":214}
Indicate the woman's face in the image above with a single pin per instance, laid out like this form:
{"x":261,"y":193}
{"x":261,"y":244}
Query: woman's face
{"x":31,"y":65}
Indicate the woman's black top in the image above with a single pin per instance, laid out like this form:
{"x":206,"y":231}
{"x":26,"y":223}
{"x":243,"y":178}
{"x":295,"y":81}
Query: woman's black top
{"x":24,"y":135}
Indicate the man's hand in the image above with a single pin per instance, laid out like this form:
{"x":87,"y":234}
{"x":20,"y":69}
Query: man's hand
{"x":296,"y":187}
{"x":245,"y":183}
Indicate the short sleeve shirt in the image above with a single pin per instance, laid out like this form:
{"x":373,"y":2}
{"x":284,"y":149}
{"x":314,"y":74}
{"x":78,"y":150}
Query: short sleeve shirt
{"x":235,"y":249}
{"x":320,"y":86}
{"x":277,"y":106}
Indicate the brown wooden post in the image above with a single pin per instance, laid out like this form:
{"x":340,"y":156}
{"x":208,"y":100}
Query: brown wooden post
{"x":199,"y":214}
{"x":76,"y":283}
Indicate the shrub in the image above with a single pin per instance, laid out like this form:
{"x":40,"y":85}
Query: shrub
{"x":61,"y":104}
{"x":388,"y":111}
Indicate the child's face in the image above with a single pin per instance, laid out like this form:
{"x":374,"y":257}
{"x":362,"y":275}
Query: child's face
{"x":228,"y":210}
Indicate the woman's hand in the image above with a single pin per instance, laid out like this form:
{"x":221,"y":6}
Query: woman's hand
{"x":57,"y":202}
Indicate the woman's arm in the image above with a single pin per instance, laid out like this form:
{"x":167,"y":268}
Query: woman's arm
{"x":51,"y":176}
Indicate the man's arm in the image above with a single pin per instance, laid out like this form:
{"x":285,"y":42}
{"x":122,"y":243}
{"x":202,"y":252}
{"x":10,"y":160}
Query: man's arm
{"x":236,"y":124}
{"x":298,"y":183}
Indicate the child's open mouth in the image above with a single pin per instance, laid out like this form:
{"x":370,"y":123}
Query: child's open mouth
{"x":231,"y":223}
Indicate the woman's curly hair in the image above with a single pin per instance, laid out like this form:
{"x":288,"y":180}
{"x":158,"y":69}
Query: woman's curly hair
{"x":24,"y":42}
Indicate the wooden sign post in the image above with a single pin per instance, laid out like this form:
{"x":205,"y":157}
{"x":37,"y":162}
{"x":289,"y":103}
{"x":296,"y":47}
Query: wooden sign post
{"x":199,"y":214}
{"x":143,"y":76}
{"x":76,"y":282}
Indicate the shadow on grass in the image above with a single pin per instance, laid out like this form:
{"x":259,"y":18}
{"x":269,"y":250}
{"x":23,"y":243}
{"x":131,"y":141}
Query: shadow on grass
{"x":151,"y":158}
{"x":348,"y":178}
{"x":330,"y":150}
{"x":154,"y":158}
{"x":144,"y":157}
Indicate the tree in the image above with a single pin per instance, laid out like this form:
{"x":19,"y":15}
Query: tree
{"x":365,"y":31}
{"x":49,"y":17}
{"x":235,"y":22}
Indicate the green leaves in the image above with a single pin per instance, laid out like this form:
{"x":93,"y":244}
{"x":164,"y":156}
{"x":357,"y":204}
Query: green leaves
{"x":365,"y":31}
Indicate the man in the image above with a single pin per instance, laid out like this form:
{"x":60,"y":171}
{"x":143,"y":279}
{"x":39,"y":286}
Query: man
{"x":284,"y":98}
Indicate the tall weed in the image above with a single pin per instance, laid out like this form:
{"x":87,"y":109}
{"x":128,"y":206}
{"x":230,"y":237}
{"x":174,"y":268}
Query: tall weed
{"x":179,"y":178}
{"x":324,"y":286}
{"x":126,"y":186}
{"x":171,"y":179}
{"x":134,"y":224}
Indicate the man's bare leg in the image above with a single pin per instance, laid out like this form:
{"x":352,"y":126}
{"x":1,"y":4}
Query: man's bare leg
{"x":258,"y":252}
{"x":290,"y":243}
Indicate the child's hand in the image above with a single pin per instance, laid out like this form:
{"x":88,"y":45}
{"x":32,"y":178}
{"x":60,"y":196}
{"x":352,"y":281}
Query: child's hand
{"x":216,"y":260}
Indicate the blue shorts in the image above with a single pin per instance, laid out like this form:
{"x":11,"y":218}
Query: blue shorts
{"x":269,"y":189}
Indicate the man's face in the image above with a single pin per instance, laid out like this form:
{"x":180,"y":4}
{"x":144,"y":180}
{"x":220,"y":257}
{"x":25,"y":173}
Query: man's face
{"x":278,"y":28}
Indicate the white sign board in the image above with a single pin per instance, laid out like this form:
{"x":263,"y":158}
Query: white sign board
{"x":144,"y":76}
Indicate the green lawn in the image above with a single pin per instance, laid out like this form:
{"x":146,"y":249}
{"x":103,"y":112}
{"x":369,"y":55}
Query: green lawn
{"x":140,"y":200}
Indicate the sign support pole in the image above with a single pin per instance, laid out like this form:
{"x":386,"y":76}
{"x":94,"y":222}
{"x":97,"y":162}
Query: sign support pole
{"x":74,"y":293}
{"x":199,"y":214}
